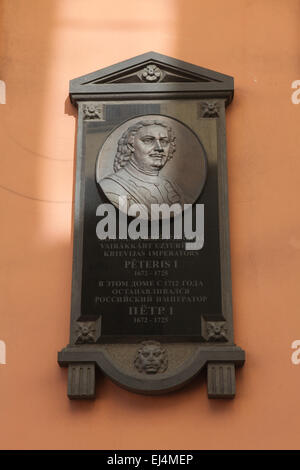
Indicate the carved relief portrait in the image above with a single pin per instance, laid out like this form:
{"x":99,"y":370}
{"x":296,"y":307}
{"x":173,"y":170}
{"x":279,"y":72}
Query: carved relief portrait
{"x":152,"y":160}
{"x":151,"y":358}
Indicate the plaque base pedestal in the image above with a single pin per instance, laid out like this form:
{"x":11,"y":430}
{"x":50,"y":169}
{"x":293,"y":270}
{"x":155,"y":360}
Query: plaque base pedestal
{"x":81,"y":380}
{"x":117,"y":361}
{"x":220,"y":380}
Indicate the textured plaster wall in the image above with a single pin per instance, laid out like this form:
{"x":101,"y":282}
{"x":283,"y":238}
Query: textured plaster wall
{"x":44,"y":43}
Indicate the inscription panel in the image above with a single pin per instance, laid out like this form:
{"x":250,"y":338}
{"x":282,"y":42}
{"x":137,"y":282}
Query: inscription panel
{"x":147,"y":288}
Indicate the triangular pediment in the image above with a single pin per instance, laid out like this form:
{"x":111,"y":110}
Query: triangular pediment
{"x":150,"y":72}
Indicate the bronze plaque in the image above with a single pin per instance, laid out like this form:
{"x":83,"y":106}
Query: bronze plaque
{"x":151,"y":293}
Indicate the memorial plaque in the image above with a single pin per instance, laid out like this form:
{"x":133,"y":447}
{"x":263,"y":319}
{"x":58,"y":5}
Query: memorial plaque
{"x":151,"y":291}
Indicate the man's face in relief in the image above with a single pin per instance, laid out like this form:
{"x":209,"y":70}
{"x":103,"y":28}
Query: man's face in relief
{"x":150,"y":147}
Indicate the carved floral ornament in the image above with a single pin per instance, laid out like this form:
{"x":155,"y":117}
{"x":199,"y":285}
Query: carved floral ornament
{"x":93,"y":111}
{"x":210,"y":109}
{"x":216,"y":331}
{"x":151,"y":73}
{"x":86,"y":332}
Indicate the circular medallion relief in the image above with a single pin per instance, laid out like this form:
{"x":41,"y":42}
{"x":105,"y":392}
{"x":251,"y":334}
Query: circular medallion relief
{"x":151,"y":159}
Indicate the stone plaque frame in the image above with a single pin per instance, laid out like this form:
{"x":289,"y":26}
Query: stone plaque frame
{"x":182,"y":89}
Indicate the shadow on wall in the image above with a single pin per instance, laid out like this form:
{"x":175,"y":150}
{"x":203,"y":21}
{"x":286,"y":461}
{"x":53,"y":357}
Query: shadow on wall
{"x":35,"y":194}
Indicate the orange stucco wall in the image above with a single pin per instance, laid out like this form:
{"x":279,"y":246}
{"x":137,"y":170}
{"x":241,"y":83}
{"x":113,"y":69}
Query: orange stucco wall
{"x":44,"y":44}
